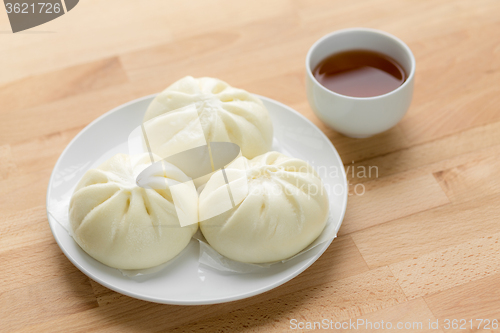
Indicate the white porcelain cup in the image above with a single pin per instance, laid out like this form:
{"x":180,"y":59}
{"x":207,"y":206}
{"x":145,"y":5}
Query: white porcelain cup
{"x":360,"y":117}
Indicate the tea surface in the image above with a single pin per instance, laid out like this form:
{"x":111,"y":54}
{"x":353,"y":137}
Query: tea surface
{"x":360,"y":73}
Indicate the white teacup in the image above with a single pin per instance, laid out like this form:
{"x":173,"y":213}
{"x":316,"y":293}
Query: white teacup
{"x":360,"y":117}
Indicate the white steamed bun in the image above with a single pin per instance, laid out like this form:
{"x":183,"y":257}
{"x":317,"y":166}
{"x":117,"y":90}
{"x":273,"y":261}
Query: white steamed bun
{"x":285,"y":209}
{"x":226,"y":114}
{"x":126,"y":226}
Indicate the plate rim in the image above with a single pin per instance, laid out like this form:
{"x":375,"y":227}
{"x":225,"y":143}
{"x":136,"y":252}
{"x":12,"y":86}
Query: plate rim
{"x":232,"y":298}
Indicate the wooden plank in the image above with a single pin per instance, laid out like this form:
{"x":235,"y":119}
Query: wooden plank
{"x":474,"y":300}
{"x":475,"y":179}
{"x":24,"y":228}
{"x":8,"y":166}
{"x":411,"y":316}
{"x":31,"y":123}
{"x":432,"y":168}
{"x":43,"y":151}
{"x":243,"y":57}
{"x":279,"y":87}
{"x":383,"y":202}
{"x":375,"y":290}
{"x":45,"y":301}
{"x":425,"y":232}
{"x":32,"y":264}
{"x":455,"y":266}
{"x":460,"y":105}
{"x":453,"y":146}
{"x":25,"y":191}
{"x":52,"y":86}
{"x":69,"y":44}
{"x":138,"y":64}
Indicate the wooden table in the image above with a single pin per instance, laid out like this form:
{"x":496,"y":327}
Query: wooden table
{"x":421,"y":244}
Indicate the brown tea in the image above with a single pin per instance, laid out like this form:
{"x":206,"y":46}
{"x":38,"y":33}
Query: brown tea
{"x":360,"y":73}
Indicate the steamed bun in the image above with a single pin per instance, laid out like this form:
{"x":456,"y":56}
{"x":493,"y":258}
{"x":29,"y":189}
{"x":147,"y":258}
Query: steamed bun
{"x":226,"y":114}
{"x":126,"y":226}
{"x":284,"y":210}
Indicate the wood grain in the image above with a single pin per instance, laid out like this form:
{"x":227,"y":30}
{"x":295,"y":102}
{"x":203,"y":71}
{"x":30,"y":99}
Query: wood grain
{"x":8,"y":167}
{"x":375,"y":290}
{"x":473,"y":179}
{"x":408,"y":313}
{"x":381,"y":202}
{"x":35,"y":91}
{"x":72,"y":295}
{"x":473,"y":300}
{"x":449,"y":268}
{"x":431,"y":230}
{"x":452,"y":147}
{"x":422,"y":241}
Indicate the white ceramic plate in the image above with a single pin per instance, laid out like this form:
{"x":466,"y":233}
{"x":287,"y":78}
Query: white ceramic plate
{"x":183,"y":281}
